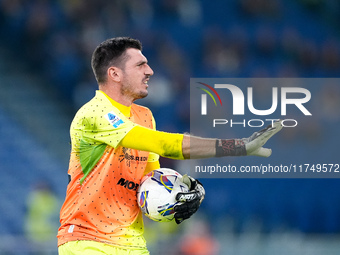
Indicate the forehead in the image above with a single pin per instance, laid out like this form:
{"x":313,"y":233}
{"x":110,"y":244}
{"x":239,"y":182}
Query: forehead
{"x":134,"y":56}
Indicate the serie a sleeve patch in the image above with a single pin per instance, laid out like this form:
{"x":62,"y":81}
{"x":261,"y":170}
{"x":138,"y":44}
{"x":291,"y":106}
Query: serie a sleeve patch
{"x":114,"y":120}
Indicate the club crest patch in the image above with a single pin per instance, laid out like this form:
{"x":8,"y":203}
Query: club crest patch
{"x":114,"y":120}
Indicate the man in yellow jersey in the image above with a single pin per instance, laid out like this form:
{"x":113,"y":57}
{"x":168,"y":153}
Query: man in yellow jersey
{"x":114,"y":143}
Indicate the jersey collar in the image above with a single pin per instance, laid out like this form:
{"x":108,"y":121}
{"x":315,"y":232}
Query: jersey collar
{"x":126,"y":110}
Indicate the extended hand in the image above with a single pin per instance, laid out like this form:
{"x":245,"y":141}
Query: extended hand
{"x":248,"y":146}
{"x":254,"y":143}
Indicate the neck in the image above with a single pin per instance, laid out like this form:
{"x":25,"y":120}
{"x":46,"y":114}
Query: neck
{"x":113,"y":93}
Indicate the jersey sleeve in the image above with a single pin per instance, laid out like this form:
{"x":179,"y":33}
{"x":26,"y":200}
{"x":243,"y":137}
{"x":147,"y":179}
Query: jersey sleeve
{"x":109,"y":128}
{"x":153,"y":157}
{"x":167,"y":145}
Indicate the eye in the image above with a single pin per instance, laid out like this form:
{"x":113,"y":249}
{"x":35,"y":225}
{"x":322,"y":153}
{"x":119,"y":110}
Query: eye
{"x":142,"y":63}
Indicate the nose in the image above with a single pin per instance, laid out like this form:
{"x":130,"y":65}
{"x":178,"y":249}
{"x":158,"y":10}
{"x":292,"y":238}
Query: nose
{"x":148,"y":71}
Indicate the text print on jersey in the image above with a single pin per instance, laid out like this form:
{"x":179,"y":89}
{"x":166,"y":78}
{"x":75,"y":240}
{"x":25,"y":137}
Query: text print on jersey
{"x":128,"y":184}
{"x":128,"y":157}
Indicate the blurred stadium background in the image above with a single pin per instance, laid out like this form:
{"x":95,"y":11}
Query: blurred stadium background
{"x":45,"y":76}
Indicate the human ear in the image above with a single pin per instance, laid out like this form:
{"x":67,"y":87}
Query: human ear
{"x":114,"y":73}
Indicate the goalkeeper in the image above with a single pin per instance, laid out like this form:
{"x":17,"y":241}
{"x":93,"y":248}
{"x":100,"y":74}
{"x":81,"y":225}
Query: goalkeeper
{"x":114,"y":144}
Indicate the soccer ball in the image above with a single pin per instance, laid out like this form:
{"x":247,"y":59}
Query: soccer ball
{"x":156,"y":195}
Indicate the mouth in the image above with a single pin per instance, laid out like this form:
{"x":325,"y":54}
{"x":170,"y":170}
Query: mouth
{"x":146,"y":81}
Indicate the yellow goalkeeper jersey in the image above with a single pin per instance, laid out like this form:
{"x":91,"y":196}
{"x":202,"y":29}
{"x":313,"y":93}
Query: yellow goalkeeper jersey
{"x":100,"y":203}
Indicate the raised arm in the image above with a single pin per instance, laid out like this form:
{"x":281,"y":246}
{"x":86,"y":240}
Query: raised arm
{"x":179,"y":146}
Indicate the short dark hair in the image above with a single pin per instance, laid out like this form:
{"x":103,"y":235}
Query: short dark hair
{"x":111,"y":53}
